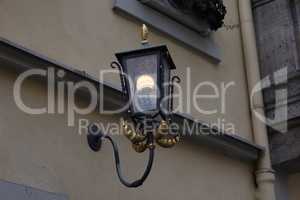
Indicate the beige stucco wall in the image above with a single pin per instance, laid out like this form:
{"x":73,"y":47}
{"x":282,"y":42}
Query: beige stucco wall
{"x":42,"y":152}
{"x":87,"y":33}
{"x":293,"y":186}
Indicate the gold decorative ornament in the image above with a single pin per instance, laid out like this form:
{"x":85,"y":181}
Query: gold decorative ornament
{"x":144,"y":34}
{"x":139,"y":147}
{"x":131,"y":134}
{"x":163,"y":129}
{"x":163,"y":138}
{"x":167,"y":143}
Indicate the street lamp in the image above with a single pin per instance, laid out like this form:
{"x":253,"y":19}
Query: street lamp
{"x":147,"y":85}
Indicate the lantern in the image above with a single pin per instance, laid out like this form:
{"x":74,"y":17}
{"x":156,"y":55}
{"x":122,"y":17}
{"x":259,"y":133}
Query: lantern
{"x":145,"y":79}
{"x":146,"y":75}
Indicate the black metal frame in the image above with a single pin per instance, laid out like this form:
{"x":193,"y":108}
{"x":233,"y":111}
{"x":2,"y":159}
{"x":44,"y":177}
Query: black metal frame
{"x":115,"y":65}
{"x":173,"y":80}
{"x":127,"y":84}
{"x":160,"y":73}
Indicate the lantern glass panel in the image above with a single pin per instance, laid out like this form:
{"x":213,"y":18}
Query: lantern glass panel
{"x":143,"y":76}
{"x":165,"y":102}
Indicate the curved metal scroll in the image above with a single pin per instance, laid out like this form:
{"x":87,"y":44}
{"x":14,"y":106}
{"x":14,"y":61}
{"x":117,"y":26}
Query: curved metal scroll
{"x":116,"y":65}
{"x":173,"y":80}
{"x":140,"y":181}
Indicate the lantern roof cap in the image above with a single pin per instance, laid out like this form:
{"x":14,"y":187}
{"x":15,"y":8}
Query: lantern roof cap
{"x":161,"y":48}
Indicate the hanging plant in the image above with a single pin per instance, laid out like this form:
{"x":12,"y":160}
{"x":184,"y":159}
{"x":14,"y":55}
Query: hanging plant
{"x":213,"y":11}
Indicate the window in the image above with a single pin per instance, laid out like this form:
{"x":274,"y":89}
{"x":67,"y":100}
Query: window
{"x":161,"y":15}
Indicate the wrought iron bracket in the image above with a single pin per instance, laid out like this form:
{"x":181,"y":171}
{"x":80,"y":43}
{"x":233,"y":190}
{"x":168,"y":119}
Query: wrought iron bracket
{"x":95,"y":138}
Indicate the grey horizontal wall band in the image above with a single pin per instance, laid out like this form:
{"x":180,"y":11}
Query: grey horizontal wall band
{"x":20,"y":59}
{"x":163,"y":23}
{"x":12,"y":191}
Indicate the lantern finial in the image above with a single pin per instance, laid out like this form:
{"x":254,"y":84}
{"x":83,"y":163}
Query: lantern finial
{"x":145,"y":33}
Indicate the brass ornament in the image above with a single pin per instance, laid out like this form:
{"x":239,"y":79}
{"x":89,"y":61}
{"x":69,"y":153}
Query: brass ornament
{"x":163,"y":127}
{"x":167,"y":142}
{"x":139,"y":147}
{"x":144,"y":34}
{"x":131,"y":134}
{"x":163,"y":138}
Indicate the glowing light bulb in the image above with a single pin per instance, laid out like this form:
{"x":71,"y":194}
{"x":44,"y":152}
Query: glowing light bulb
{"x":145,"y":96}
{"x":145,"y":81}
